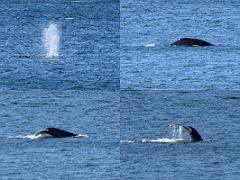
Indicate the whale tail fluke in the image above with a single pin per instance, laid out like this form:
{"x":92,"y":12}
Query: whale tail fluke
{"x":193,"y":133}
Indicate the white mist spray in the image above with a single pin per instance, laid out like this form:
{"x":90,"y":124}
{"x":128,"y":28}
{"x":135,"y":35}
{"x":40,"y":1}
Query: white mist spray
{"x":51,"y":40}
{"x":177,"y":132}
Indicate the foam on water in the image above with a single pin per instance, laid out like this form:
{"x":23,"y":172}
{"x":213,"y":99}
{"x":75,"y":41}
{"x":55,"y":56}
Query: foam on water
{"x":164,"y":140}
{"x":69,"y":18}
{"x":32,"y":136}
{"x":177,"y":137}
{"x":149,"y":45}
{"x":40,"y":136}
{"x":127,"y":141}
{"x":81,"y":136}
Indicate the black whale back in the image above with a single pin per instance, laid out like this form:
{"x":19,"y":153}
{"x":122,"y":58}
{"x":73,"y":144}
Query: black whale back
{"x":58,"y":132}
{"x":191,"y":42}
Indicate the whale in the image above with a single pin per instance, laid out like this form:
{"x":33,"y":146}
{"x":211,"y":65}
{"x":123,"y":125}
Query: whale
{"x":191,"y":42}
{"x":193,"y":133}
{"x":55,"y":132}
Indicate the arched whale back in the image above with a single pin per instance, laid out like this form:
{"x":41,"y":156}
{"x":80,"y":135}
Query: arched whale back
{"x":55,"y":132}
{"x":191,"y":42}
{"x":194,"y":135}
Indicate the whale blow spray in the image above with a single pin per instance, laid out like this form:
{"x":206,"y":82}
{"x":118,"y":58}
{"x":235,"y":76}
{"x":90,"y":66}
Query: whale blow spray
{"x":51,"y":40}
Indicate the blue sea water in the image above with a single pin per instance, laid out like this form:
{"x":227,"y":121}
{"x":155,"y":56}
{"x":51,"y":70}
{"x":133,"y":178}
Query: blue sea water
{"x":161,"y":22}
{"x":77,"y":91}
{"x":148,"y":114}
{"x":89,"y":45}
{"x":163,"y":85}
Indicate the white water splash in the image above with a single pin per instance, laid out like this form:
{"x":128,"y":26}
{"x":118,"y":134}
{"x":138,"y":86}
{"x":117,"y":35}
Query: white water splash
{"x":127,"y":141}
{"x":177,"y":137}
{"x":149,"y":45}
{"x":164,"y":140}
{"x":51,"y":40}
{"x":41,"y":136}
{"x":81,"y":136}
{"x":177,"y":132}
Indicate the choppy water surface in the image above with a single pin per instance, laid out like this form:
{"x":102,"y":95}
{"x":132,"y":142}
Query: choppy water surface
{"x":60,"y":67}
{"x":88,"y":45}
{"x":95,"y":114}
{"x":148,"y":114}
{"x":162,"y":22}
{"x":56,"y":58}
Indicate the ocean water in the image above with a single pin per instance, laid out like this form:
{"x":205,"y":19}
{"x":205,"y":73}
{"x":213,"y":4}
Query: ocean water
{"x":112,"y":78}
{"x":160,"y":23}
{"x":91,"y":113}
{"x":88,"y":45}
{"x":148,"y":114}
{"x":75,"y":88}
{"x":163,"y":85}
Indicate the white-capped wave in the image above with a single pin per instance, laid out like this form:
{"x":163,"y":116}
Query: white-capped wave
{"x":127,"y":141}
{"x":149,"y":45}
{"x":69,"y":18}
{"x":164,"y":140}
{"x":81,"y":136}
